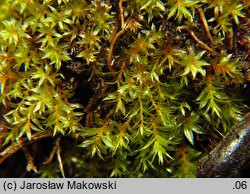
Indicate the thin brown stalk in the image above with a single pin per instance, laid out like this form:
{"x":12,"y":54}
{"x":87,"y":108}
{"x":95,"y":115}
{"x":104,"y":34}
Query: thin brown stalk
{"x":52,"y":153}
{"x":59,"y":158}
{"x":30,"y":166}
{"x":112,"y":44}
{"x":230,"y":39}
{"x":121,"y":14}
{"x":204,"y":21}
{"x":56,"y":150}
{"x":116,"y":36}
{"x":198,"y":40}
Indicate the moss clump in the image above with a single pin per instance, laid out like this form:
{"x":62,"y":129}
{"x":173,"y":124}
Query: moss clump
{"x":127,"y":88}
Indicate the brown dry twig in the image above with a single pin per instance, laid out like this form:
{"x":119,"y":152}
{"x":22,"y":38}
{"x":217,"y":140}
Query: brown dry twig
{"x":22,"y":142}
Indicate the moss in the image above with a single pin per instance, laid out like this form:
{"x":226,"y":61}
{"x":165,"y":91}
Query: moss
{"x":128,"y":88}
